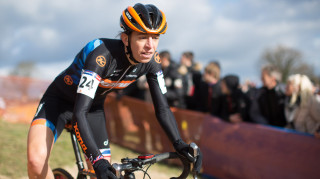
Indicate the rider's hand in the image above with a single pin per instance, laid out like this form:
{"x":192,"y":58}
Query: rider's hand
{"x":184,"y":149}
{"x":103,"y":170}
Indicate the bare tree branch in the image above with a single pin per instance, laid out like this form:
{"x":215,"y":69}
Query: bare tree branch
{"x":287,"y":60}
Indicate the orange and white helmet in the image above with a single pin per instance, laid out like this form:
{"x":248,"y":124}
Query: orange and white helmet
{"x":143,"y":18}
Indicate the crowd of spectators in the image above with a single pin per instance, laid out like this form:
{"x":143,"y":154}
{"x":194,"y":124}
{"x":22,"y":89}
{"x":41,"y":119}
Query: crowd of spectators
{"x":294,"y":104}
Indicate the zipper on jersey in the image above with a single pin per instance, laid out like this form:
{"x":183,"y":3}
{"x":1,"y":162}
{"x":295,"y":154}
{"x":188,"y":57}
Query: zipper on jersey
{"x":117,"y":81}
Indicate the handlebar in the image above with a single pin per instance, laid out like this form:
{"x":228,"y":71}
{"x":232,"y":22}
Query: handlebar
{"x":130,"y":165}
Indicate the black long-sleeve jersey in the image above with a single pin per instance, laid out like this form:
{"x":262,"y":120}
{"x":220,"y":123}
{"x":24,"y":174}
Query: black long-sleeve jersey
{"x":99,"y":68}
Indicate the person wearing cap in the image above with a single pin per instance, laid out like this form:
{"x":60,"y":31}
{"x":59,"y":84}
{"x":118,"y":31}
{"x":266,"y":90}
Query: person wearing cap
{"x":77,"y":94}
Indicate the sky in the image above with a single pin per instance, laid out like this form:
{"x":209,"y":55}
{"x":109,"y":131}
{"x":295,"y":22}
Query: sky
{"x":233,"y":32}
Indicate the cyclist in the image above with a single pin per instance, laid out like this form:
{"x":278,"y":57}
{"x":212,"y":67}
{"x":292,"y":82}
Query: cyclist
{"x":78,"y":93}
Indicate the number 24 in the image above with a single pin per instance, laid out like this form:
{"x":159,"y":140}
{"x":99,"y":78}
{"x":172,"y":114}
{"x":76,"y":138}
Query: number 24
{"x":88,"y":84}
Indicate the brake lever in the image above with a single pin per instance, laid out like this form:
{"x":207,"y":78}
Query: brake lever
{"x":194,"y":151}
{"x":116,"y":169}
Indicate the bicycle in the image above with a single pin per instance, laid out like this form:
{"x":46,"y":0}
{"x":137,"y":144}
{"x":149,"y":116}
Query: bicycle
{"x":128,"y":166}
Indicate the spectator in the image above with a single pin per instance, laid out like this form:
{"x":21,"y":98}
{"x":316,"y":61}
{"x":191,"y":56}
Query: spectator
{"x":234,"y":104}
{"x":207,"y":89}
{"x":173,"y":80}
{"x":187,"y":69}
{"x":268,"y":104}
{"x":302,"y":107}
{"x":249,"y":88}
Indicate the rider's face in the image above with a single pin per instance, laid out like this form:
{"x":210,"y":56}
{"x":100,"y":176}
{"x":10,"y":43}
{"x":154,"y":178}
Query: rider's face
{"x":143,"y":45}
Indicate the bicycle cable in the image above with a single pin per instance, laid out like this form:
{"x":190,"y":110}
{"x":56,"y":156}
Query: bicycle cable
{"x":146,"y":172}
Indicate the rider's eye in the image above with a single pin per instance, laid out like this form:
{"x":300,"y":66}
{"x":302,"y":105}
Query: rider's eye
{"x":143,"y":37}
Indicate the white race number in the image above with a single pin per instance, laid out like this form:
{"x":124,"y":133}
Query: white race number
{"x":89,"y":83}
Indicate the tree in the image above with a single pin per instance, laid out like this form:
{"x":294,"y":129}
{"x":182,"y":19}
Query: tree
{"x":288,"y":61}
{"x":23,"y":68}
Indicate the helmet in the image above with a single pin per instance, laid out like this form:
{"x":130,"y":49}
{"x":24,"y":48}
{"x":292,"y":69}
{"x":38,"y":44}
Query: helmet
{"x":143,"y":18}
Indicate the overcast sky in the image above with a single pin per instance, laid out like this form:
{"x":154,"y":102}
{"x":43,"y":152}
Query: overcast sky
{"x":233,"y":32}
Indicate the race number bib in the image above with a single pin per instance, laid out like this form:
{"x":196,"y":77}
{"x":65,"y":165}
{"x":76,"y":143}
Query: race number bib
{"x":88,"y":83}
{"x":161,"y":82}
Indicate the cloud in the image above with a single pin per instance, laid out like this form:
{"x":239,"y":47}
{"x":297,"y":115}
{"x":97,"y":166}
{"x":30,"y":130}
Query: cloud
{"x":234,"y":32}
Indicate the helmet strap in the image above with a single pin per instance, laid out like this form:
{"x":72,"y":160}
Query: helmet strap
{"x":129,"y":51}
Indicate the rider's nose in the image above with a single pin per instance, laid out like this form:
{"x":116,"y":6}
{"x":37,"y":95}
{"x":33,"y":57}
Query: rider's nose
{"x":149,"y":43}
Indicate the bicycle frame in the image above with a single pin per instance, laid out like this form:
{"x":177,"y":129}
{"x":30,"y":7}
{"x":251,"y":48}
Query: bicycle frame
{"x":82,"y":171}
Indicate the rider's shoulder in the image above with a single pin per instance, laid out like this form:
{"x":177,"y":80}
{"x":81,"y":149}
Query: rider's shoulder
{"x":98,"y":41}
{"x":110,"y":41}
{"x":154,"y":65}
{"x":155,"y":60}
{"x":93,"y":44}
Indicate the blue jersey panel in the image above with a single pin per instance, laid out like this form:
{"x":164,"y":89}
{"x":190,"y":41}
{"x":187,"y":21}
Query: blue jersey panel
{"x":79,"y":61}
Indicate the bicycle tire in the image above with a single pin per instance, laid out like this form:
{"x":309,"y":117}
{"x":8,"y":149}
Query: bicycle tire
{"x":60,"y":173}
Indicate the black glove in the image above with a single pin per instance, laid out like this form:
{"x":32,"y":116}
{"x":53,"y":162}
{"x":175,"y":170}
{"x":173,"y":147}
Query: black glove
{"x":185,"y":150}
{"x":103,"y":170}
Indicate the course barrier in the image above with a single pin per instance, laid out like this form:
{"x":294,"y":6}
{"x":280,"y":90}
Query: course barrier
{"x":19,"y":97}
{"x":244,"y":151}
{"x":256,"y":151}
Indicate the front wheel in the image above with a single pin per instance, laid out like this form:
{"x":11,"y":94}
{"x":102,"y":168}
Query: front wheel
{"x":60,"y":173}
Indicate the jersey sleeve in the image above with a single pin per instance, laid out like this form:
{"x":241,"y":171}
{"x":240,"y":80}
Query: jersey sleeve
{"x":163,"y":113}
{"x":95,"y":65}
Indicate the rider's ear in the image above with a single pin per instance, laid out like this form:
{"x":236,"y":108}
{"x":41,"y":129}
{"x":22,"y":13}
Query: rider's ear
{"x":124,"y":38}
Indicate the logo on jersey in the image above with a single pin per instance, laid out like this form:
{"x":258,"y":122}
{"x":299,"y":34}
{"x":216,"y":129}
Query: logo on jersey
{"x":76,"y":130}
{"x":161,"y":82}
{"x":134,"y":70}
{"x":101,"y":61}
{"x":157,"y":57}
{"x":39,"y":108}
{"x":68,"y":80}
{"x":106,"y":83}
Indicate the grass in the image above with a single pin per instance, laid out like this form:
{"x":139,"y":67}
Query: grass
{"x":13,"y":159}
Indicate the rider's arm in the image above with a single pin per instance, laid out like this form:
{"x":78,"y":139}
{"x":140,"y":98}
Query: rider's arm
{"x":94,"y":65}
{"x":166,"y":117}
{"x":82,"y":128}
{"x":162,"y":109}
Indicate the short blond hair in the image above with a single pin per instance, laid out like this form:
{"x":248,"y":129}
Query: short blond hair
{"x":213,"y":68}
